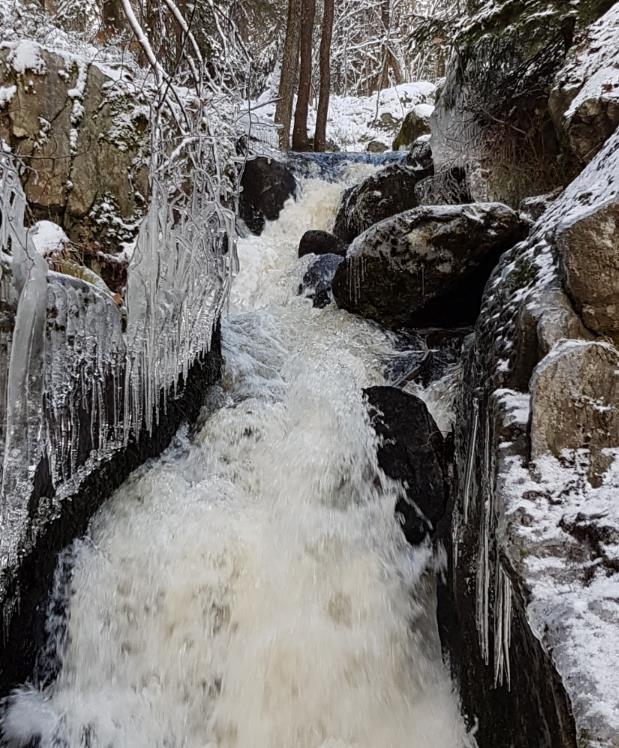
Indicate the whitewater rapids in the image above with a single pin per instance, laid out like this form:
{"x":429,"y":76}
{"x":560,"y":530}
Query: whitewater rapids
{"x":252,"y":588}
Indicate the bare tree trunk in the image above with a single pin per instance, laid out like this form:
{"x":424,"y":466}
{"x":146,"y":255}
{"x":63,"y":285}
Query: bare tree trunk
{"x":389,"y":60}
{"x":320,"y":136}
{"x":113,"y":19}
{"x":290,"y":62}
{"x":299,"y":133}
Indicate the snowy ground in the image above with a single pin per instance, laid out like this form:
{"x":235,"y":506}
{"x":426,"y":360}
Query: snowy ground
{"x":353,"y":121}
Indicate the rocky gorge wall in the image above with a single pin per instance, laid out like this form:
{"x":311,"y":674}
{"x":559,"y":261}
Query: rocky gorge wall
{"x":516,"y":70}
{"x":529,"y":609}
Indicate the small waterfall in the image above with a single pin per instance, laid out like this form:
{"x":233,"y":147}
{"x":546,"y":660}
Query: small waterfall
{"x":252,"y":588}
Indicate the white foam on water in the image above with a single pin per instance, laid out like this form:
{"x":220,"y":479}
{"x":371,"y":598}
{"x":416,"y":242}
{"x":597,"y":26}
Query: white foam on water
{"x":252,"y":588}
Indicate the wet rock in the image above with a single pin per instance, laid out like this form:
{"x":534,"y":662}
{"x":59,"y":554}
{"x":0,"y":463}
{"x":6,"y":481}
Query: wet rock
{"x":424,"y":356}
{"x":449,"y":186}
{"x":584,"y":101}
{"x":427,"y":266}
{"x":589,"y":256}
{"x":318,"y":279}
{"x":575,"y":403}
{"x":321,"y":243}
{"x":415,"y":124}
{"x":412,"y":450}
{"x":382,"y":195}
{"x":375,"y":146}
{"x":534,"y":207}
{"x":266,"y":185}
{"x":420,"y":157}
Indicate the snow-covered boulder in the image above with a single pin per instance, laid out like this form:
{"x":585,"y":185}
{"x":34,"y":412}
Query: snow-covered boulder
{"x":426,"y":266}
{"x":584,"y":101}
{"x":415,"y":124}
{"x":82,"y":128}
{"x":383,"y":194}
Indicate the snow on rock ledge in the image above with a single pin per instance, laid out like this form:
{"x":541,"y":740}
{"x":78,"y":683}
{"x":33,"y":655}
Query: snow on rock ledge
{"x":584,"y":101}
{"x":83,"y":128}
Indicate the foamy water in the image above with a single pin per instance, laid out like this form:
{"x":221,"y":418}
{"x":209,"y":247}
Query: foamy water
{"x":251,"y":588}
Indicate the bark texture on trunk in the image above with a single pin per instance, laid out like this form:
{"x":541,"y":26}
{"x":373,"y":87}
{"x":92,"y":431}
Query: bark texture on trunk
{"x":290,"y":63}
{"x":299,"y":133}
{"x":113,"y":19}
{"x":320,"y":136}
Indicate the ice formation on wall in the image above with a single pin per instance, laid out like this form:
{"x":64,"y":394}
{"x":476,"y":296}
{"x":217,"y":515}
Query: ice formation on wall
{"x":74,"y":385}
{"x":179,"y":279}
{"x":23,"y":301}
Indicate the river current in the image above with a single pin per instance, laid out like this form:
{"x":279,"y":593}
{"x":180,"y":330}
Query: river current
{"x":252,"y":588}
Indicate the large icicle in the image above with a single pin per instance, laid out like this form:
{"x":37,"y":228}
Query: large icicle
{"x":179,"y":279}
{"x":26,"y":271}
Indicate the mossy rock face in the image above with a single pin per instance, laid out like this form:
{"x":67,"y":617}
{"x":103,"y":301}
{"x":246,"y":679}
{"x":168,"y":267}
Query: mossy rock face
{"x":493,"y":109}
{"x":85,"y":136}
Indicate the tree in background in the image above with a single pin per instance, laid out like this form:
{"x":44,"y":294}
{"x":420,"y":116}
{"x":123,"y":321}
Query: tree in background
{"x":320,"y":136}
{"x":299,"y":133}
{"x":290,"y":63}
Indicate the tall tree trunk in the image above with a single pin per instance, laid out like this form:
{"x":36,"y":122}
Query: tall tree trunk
{"x":112,"y":19}
{"x":389,"y":60}
{"x":290,"y":62}
{"x":320,"y":136}
{"x":299,"y":133}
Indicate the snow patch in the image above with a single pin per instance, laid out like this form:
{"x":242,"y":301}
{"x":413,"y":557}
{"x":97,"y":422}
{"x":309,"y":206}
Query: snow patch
{"x":565,"y":536}
{"x":353,"y":121}
{"x":26,"y":55}
{"x":6,"y":94}
{"x":48,"y":237}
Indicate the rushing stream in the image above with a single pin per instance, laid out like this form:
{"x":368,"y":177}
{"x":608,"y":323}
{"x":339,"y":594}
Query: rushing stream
{"x":252,"y":588}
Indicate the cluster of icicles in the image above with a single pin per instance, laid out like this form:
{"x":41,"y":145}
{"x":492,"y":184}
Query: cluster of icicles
{"x":252,"y":588}
{"x":68,"y":358}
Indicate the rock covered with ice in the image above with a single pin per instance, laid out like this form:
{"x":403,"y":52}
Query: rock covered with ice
{"x":426,"y":266}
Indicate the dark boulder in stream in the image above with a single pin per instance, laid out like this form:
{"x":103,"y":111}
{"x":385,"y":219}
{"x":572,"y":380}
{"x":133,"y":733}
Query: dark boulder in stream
{"x":267,"y":184}
{"x":381,"y":195}
{"x":427,"y":266}
{"x":318,"y":278}
{"x":321,"y":243}
{"x":412,"y":450}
